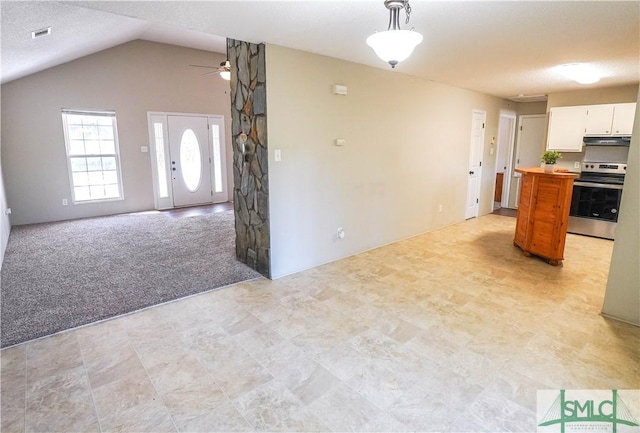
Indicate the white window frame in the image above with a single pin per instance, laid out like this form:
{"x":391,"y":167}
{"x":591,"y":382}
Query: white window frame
{"x":160,"y":202}
{"x":114,"y":124}
{"x":223,"y":195}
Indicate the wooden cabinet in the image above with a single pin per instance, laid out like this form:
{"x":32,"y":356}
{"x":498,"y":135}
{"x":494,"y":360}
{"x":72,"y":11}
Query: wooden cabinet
{"x":623,"y":117}
{"x":566,"y":128}
{"x":599,"y":120}
{"x":543,"y":213}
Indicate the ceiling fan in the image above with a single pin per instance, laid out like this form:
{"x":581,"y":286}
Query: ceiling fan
{"x":224,"y":69}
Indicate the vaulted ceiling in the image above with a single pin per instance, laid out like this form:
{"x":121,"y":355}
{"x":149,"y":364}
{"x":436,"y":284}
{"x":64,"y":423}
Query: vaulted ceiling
{"x":498,"y":48}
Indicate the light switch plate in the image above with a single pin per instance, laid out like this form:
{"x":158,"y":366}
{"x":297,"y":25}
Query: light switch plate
{"x":277,"y":155}
{"x":339,"y":89}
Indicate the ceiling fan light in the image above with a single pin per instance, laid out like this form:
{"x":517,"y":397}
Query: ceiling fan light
{"x":394,"y":46}
{"x":225,"y":69}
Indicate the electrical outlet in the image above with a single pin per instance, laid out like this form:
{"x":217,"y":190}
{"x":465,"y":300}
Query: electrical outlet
{"x":439,"y":208}
{"x":65,"y":202}
{"x":340,"y":233}
{"x":576,"y":164}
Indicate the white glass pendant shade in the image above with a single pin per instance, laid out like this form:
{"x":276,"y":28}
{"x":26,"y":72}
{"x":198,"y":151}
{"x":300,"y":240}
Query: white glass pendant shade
{"x":394,"y":46}
{"x":225,"y":75}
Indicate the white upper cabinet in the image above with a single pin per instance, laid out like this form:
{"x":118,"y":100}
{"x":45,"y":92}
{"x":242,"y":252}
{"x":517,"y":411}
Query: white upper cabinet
{"x":599,"y":120}
{"x":566,"y":128}
{"x":623,"y":116}
{"x":568,"y":125}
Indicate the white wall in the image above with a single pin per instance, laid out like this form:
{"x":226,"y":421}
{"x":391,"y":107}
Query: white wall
{"x":504,"y":139}
{"x":407,"y":151}
{"x":588,"y":96}
{"x":131,"y":79}
{"x":622,"y":298}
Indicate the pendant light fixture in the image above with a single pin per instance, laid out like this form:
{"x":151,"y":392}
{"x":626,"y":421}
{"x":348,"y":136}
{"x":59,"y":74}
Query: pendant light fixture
{"x":395,"y":45}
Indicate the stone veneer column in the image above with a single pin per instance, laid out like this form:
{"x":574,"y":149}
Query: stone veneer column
{"x":250,"y":154}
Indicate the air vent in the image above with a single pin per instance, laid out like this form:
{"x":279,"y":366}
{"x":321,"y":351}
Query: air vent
{"x":40,"y":33}
{"x":528,"y":98}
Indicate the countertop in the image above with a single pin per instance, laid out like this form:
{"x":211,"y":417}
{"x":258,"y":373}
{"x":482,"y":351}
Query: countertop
{"x":556,"y":172}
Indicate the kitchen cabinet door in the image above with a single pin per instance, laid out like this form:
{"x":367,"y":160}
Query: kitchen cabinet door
{"x":599,"y":120}
{"x":566,"y":128}
{"x":623,"y":116}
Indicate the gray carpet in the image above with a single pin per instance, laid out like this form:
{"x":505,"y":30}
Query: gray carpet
{"x":61,"y":275}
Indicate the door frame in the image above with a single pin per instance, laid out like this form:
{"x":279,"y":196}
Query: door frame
{"x":506,"y":188}
{"x":161,"y":117}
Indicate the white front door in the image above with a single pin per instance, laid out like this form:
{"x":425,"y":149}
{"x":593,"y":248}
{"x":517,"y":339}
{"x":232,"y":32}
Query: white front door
{"x":190,"y":160}
{"x":475,"y":163}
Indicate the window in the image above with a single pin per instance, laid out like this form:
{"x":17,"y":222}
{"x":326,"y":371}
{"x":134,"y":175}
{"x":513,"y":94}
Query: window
{"x":163,"y":188}
{"x":190,"y":160}
{"x":92,"y":154}
{"x":217,"y":158}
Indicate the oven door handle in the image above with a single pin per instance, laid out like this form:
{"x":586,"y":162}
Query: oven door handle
{"x":597,"y":185}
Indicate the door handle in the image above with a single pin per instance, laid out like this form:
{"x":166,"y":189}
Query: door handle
{"x":470,"y":172}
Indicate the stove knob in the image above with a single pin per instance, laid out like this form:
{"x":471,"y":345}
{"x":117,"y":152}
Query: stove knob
{"x":591,"y":165}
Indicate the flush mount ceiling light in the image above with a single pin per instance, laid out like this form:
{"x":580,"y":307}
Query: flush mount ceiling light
{"x":395,"y":45}
{"x":580,"y":72}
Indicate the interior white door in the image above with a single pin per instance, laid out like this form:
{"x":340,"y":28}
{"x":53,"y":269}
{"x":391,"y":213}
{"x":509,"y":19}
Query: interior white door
{"x":475,"y":163}
{"x":530,"y":146}
{"x":190,"y":162}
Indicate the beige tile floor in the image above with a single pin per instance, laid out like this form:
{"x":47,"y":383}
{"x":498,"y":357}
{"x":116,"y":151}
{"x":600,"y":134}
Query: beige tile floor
{"x":453,"y":330}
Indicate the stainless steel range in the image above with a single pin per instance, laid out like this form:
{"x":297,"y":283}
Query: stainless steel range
{"x":597,"y":192}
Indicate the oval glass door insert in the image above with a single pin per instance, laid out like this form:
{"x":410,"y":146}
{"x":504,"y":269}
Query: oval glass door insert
{"x":190,"y":160}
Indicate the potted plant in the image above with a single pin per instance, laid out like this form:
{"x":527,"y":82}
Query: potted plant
{"x":549,"y":158}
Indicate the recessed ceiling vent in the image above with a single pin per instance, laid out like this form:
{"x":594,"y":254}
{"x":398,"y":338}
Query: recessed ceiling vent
{"x":40,"y":33}
{"x":528,"y":98}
